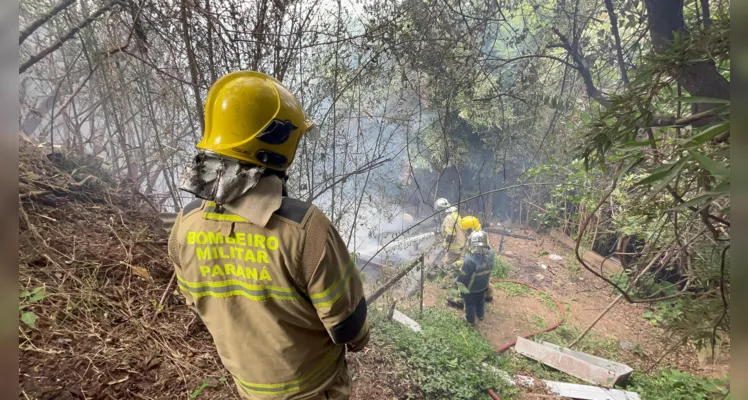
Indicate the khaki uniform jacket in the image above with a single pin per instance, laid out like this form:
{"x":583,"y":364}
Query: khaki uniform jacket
{"x":451,"y":227}
{"x":280,"y":300}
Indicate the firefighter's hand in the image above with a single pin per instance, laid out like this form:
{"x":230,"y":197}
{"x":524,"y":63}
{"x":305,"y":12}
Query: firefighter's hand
{"x":356,"y":346}
{"x":360,"y":342}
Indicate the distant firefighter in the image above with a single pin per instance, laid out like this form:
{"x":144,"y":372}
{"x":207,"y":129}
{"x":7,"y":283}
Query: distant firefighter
{"x":469,"y":224}
{"x":454,"y":236}
{"x":475,"y":275}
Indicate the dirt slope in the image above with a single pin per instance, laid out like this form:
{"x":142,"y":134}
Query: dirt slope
{"x":584,"y":297}
{"x":99,"y":255}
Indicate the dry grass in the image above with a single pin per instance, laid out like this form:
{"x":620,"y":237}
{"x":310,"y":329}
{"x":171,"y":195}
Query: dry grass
{"x":112,"y":325}
{"x":99,"y":254}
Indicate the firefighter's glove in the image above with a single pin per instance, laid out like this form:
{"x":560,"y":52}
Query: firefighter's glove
{"x":360,"y":341}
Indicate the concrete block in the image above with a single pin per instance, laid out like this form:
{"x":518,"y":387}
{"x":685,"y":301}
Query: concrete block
{"x":589,"y":368}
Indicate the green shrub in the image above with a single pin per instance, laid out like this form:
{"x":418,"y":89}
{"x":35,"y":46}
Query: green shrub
{"x":513,"y":289}
{"x":673,"y":384}
{"x":500,"y":268}
{"x":666,"y":313}
{"x":445,"y":359}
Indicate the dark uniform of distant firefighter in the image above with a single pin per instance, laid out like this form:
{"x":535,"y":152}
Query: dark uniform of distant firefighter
{"x":268,"y":275}
{"x":475,"y":275}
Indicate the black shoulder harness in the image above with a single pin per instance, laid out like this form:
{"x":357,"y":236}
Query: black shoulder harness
{"x":192,"y":206}
{"x":293,"y":209}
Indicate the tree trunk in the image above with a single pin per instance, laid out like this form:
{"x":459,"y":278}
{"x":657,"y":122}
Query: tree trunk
{"x":614,"y":29}
{"x":191,"y":61}
{"x":705,"y":14}
{"x":700,"y":79}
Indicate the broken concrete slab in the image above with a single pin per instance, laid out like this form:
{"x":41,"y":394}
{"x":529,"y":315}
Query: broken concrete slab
{"x":589,"y":368}
{"x":405,"y":320}
{"x":581,"y":392}
{"x":567,"y":390}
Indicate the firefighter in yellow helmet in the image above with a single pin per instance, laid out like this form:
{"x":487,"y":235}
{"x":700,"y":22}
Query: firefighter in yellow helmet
{"x":469,"y":224}
{"x":268,"y":275}
{"x":454,"y":236}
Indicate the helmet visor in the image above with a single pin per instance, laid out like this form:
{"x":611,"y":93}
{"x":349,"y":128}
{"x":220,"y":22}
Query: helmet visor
{"x":277,"y":132}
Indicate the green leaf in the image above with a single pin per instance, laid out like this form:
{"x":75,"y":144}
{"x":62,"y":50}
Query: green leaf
{"x":656,"y":176}
{"x":696,"y":201}
{"x":199,"y":390}
{"x":691,"y":99}
{"x":29,"y":318}
{"x":640,"y":144}
{"x":38,"y":297}
{"x":659,"y":173}
{"x":708,"y":133}
{"x":714,"y":168}
{"x":710,"y":387}
{"x":630,"y":165}
{"x":722,"y":188}
{"x":25,"y":294}
{"x":667,"y":178}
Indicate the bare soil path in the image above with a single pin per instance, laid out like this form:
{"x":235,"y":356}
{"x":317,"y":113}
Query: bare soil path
{"x":515,"y":311}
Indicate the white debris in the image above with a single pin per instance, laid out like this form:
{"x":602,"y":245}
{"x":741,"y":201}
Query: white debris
{"x":543,"y":266}
{"x":569,"y":390}
{"x":582,"y":392}
{"x":555,"y":257}
{"x":405,"y":320}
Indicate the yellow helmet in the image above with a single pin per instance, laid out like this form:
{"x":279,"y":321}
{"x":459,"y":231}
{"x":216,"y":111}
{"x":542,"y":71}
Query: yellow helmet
{"x":252,"y":117}
{"x":470,"y":222}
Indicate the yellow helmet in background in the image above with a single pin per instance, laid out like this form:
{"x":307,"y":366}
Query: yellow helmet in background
{"x":252,"y":117}
{"x":470,"y":222}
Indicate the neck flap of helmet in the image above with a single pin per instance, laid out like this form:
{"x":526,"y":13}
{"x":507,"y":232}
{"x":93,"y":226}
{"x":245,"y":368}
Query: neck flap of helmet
{"x":221,"y":179}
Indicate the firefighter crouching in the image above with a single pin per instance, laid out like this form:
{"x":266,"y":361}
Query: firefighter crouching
{"x":269,"y":276}
{"x":475,"y":276}
{"x":454,"y":236}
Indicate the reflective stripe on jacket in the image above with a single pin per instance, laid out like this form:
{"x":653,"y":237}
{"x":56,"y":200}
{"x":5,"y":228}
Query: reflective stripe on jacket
{"x":454,"y":236}
{"x":280,"y":301}
{"x":475,"y":273}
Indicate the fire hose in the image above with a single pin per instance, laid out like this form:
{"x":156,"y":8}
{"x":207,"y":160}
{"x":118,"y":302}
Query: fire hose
{"x":551,"y":327}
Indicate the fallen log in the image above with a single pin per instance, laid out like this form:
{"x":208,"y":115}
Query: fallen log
{"x":507,"y":233}
{"x":605,"y":264}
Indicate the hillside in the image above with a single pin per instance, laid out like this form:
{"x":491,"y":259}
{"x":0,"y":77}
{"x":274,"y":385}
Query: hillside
{"x":108,"y":323}
{"x":95,"y":258}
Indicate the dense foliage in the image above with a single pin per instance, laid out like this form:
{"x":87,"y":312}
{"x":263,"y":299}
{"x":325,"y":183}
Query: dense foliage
{"x":444,"y":359}
{"x":678,"y":385}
